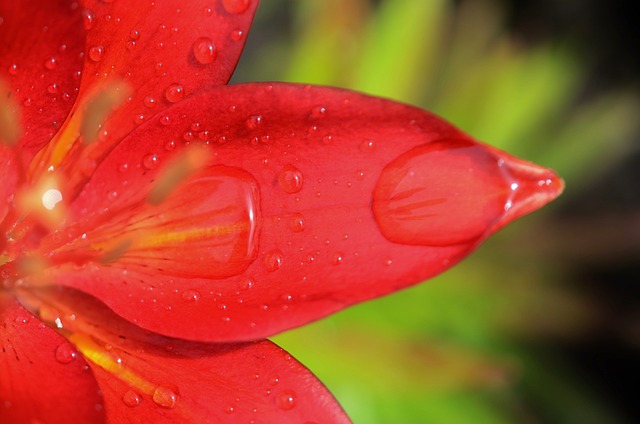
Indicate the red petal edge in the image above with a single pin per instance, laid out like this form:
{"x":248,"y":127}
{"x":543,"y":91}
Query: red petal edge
{"x":360,"y":197}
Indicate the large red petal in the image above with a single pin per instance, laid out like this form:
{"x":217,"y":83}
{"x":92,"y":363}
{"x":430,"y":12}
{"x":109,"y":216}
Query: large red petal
{"x":40,"y":58}
{"x":162,"y":380}
{"x":43,"y":379}
{"x":358,"y":197}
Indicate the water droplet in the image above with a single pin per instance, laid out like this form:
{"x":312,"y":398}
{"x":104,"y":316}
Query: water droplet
{"x":52,"y":88}
{"x":297,"y":223}
{"x":367,"y":146}
{"x":124,"y":167}
{"x":253,"y":121}
{"x":230,"y":409}
{"x":165,"y":397}
{"x":273,"y":260}
{"x":51,"y":63}
{"x":165,"y":120}
{"x":204,"y":50}
{"x":134,"y":34}
{"x":336,"y":258}
{"x":286,"y":400}
{"x":13,"y":69}
{"x":174,"y":93}
{"x":150,"y":161}
{"x":88,"y":19}
{"x":131,"y":399}
{"x":150,"y":102}
{"x":290,"y":179}
{"x":66,"y":353}
{"x":170,"y":145}
{"x":237,"y":34}
{"x":191,"y":296}
{"x":95,"y":53}
{"x":24,"y":319}
{"x":327,"y":139}
{"x":318,"y":112}
{"x":236,"y":6}
{"x":138,"y":119}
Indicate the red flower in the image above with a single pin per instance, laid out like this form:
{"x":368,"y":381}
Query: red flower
{"x":157,"y":221}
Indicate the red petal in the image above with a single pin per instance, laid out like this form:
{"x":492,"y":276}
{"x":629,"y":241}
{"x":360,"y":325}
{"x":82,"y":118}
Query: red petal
{"x":40,"y":59}
{"x":164,"y":50}
{"x":42,"y":377}
{"x":359,"y":197}
{"x":162,"y":380}
{"x":9,"y":178}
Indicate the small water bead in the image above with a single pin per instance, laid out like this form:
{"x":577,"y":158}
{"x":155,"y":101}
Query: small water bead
{"x":236,"y":6}
{"x":237,"y":34}
{"x":367,"y":146}
{"x":318,"y":112}
{"x":286,"y":400}
{"x":170,"y":145}
{"x":230,"y":409}
{"x":124,"y":167}
{"x":191,"y":296}
{"x":88,"y":19}
{"x":174,"y":93}
{"x":131,"y":399}
{"x":337,"y":258}
{"x":254,"y":121}
{"x":52,"y":88}
{"x":150,"y":161}
{"x":290,"y":179}
{"x":165,"y":120}
{"x":150,"y":102}
{"x":95,"y":53}
{"x":134,"y":34}
{"x":297,"y":223}
{"x":273,"y":260}
{"x":51,"y":63}
{"x":13,"y":69}
{"x":138,"y":119}
{"x":165,"y":397}
{"x":204,"y":50}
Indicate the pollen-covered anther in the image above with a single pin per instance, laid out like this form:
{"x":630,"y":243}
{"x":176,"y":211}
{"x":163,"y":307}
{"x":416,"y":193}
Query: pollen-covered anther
{"x":99,"y":107}
{"x":183,"y":165}
{"x":43,"y":201}
{"x":116,"y":252}
{"x":10,"y":130}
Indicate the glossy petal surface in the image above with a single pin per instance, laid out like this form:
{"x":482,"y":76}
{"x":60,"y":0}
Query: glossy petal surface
{"x":351,"y":207}
{"x":148,"y":378}
{"x":42,"y":64}
{"x":42,"y":377}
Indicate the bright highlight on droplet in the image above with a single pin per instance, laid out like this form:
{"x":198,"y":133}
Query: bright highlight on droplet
{"x":50,"y":198}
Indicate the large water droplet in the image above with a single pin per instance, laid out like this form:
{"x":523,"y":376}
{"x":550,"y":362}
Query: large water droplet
{"x":438,"y":194}
{"x":165,"y":397}
{"x":253,"y":121}
{"x":236,"y":6}
{"x":204,"y":50}
{"x":95,"y":53}
{"x":290,"y":179}
{"x":88,"y":19}
{"x":150,"y":161}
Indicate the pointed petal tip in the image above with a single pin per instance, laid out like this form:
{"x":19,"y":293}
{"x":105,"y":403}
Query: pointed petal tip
{"x":532,"y":188}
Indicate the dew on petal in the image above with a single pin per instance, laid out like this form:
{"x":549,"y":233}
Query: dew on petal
{"x":165,"y":397}
{"x":95,"y":53}
{"x":191,"y":296}
{"x":88,"y":19}
{"x":150,"y":102}
{"x":237,"y":34}
{"x":254,"y":121}
{"x":290,"y":179}
{"x":13,"y":69}
{"x":367,"y":146}
{"x":286,"y":400}
{"x":297,"y":223}
{"x":51,"y":63}
{"x":235,"y":6}
{"x":131,"y":399}
{"x":66,"y":353}
{"x":204,"y":50}
{"x":150,"y":161}
{"x":273,"y":260}
{"x":174,"y":93}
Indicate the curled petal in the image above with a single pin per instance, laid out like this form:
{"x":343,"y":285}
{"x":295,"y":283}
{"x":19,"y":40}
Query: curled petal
{"x":43,"y":378}
{"x":358,"y":197}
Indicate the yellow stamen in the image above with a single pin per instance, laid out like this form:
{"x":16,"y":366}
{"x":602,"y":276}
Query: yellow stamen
{"x":10,"y":130}
{"x":99,"y":107}
{"x":180,"y":168}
